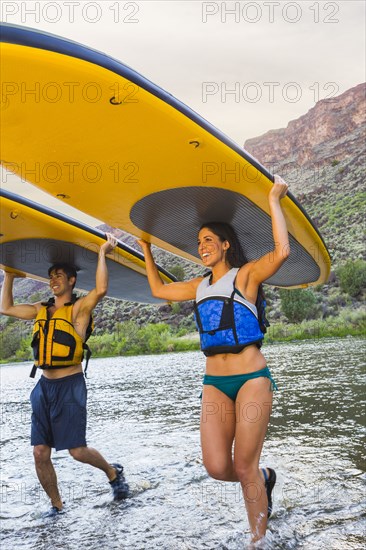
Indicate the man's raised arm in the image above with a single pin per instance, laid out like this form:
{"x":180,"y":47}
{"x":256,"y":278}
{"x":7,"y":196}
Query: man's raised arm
{"x":89,"y":301}
{"x":7,"y":307}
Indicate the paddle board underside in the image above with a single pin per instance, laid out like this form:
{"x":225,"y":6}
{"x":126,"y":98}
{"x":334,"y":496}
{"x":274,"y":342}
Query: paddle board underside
{"x":94,"y":133}
{"x":33,"y":238}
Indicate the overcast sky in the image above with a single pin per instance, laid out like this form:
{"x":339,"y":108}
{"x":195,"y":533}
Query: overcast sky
{"x":247,"y":67}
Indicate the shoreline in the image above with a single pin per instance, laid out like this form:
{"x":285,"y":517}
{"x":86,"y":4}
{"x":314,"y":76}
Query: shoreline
{"x":277,"y":333}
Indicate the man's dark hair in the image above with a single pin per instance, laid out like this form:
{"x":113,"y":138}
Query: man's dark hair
{"x":68,"y":269}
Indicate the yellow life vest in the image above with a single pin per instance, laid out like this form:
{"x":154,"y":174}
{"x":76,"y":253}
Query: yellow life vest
{"x":55,"y":343}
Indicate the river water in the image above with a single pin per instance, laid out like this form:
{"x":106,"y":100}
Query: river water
{"x":144,"y":412}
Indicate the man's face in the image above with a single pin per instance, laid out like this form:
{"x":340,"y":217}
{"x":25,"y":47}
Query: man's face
{"x":59,"y":283}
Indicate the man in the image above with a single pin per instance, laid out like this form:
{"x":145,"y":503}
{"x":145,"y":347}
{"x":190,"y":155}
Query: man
{"x":59,"y":398}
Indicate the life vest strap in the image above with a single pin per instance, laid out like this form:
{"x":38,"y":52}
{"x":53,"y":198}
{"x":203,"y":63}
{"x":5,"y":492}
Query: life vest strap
{"x":33,"y":371}
{"x":87,"y":357}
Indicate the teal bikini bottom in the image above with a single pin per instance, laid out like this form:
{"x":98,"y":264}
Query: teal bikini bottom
{"x":230,"y":385}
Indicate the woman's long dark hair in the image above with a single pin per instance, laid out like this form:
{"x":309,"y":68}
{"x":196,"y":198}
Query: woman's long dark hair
{"x":235,"y":255}
{"x":236,"y":258}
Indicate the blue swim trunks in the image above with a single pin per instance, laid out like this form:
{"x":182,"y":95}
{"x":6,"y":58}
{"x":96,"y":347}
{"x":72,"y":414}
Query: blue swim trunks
{"x":59,"y":412}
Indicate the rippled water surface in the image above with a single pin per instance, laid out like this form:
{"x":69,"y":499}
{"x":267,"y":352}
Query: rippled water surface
{"x":144,"y":412}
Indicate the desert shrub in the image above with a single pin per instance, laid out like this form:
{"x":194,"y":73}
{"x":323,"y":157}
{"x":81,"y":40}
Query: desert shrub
{"x":298,"y":304}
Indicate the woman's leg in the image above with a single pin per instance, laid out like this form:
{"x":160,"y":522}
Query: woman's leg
{"x":218,"y":420}
{"x":253,"y":406}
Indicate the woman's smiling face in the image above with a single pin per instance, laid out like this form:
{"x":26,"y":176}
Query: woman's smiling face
{"x":210,"y":247}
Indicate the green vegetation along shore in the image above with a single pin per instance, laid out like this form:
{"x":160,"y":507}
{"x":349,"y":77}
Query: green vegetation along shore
{"x":131,"y":339}
{"x":336,"y":309}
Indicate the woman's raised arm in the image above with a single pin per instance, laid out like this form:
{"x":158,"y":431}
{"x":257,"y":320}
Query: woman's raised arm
{"x":172,"y":292}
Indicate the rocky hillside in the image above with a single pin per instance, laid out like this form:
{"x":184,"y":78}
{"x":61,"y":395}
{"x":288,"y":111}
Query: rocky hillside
{"x":322,"y":157}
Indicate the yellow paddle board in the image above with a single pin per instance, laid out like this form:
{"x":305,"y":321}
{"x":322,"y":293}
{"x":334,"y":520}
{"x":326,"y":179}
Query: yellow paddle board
{"x":99,"y":136}
{"x":33,"y":238}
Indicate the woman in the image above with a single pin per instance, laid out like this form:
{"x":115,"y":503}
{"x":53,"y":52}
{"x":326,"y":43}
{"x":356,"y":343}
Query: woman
{"x":237,"y":390}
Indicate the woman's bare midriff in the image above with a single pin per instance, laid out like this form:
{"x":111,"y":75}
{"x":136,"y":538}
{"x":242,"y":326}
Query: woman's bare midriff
{"x":227,"y":364}
{"x":61,"y":373}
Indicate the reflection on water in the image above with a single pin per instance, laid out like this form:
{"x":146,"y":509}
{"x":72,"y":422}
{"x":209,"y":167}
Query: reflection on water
{"x":144,"y":412}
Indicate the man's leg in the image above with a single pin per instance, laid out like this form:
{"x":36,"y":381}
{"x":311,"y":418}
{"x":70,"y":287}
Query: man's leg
{"x":91,"y":456}
{"x":114,"y":472}
{"x":46,"y":473}
{"x":68,"y":417}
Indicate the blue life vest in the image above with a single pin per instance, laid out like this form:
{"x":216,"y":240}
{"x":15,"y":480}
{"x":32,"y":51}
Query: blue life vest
{"x":226,"y":322}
